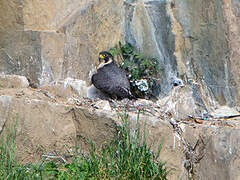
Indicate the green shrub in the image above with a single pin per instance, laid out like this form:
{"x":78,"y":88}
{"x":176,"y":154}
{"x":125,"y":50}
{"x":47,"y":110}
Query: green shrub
{"x":142,"y":71}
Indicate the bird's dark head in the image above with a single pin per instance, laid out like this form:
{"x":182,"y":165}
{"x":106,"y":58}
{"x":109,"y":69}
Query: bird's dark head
{"x":105,"y":58}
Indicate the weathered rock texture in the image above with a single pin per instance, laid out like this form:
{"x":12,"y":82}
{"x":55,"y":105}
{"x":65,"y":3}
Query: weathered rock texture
{"x":13,"y":81}
{"x":206,"y":51}
{"x":195,"y":41}
{"x":54,"y":123}
{"x":46,"y":40}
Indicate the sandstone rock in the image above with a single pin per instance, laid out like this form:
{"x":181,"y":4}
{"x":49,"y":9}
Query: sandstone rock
{"x":77,"y":85}
{"x":67,"y":88}
{"x":232,"y":16}
{"x":204,"y":45}
{"x":180,"y":103}
{"x":47,"y":41}
{"x":49,"y":15}
{"x":89,"y":123}
{"x":13,"y":81}
{"x":57,"y":89}
{"x":52,"y":54}
{"x":196,"y":41}
{"x":20,"y":53}
{"x":42,"y":127}
{"x":95,"y":28}
{"x":57,"y":127}
{"x":11,"y":16}
{"x":221,"y":158}
{"x":198,"y":55}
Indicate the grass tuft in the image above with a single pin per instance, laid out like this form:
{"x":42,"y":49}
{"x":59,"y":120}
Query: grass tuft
{"x":126,"y":157}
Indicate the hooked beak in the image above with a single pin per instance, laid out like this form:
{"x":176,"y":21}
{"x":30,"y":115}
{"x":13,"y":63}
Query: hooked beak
{"x":101,"y":62}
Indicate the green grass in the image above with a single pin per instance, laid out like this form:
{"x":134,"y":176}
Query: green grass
{"x":126,"y":157}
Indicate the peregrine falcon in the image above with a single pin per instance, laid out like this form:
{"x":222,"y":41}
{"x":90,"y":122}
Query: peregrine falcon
{"x":110,"y":79}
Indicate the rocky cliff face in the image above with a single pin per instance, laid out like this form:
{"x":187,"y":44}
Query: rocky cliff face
{"x":48,"y":41}
{"x":52,"y":119}
{"x":195,"y":41}
{"x":208,"y":54}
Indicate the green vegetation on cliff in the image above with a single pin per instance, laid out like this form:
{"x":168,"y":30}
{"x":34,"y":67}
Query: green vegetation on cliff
{"x":126,"y":157}
{"x":142,"y":71}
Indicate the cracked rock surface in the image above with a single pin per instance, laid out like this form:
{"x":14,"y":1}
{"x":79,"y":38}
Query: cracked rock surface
{"x":48,"y":122}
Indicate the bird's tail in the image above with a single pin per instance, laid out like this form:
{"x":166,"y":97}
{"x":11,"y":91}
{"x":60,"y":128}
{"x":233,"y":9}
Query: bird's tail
{"x":130,"y":95}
